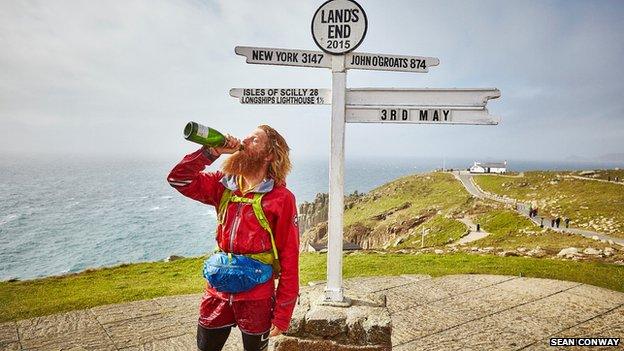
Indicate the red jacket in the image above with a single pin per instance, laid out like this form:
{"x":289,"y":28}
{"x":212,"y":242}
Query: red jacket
{"x":241,"y":232}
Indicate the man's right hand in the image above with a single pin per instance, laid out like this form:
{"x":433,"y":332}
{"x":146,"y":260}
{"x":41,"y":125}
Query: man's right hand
{"x":232,"y":145}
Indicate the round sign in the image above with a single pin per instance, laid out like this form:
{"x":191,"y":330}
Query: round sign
{"x":339,"y":26}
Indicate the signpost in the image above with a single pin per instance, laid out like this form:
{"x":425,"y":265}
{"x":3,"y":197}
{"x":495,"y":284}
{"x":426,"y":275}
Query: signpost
{"x":425,"y":115}
{"x":338,"y":28}
{"x":381,"y":62}
{"x":284,"y":57}
{"x":283,"y":96}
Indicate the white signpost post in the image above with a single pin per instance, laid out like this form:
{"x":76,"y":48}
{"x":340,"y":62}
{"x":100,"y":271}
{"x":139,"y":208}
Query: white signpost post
{"x":339,"y":27}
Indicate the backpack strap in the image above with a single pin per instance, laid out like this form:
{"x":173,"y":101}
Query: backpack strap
{"x":259,"y":212}
{"x":256,"y":204}
{"x":225,"y":200}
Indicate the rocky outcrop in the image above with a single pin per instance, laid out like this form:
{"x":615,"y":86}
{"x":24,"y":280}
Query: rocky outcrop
{"x":313,"y":218}
{"x":385,"y":233}
{"x":313,"y":213}
{"x":386,"y":227}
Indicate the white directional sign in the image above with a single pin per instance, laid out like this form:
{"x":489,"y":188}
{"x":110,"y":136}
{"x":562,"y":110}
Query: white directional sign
{"x":421,"y":97}
{"x":284,"y":57}
{"x":339,"y":26}
{"x":424,"y":115}
{"x":283,"y":96}
{"x":427,"y":106}
{"x":381,"y":62}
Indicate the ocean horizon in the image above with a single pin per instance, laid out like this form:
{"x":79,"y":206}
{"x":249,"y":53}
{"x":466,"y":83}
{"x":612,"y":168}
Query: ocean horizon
{"x":62,"y":216}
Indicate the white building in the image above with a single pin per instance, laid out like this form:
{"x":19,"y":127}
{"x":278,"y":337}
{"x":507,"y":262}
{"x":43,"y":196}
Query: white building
{"x":489,"y":167}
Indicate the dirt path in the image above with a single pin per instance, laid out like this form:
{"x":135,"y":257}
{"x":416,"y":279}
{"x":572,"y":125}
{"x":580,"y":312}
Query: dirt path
{"x":473,"y":234}
{"x":594,"y":179}
{"x":467,"y":181}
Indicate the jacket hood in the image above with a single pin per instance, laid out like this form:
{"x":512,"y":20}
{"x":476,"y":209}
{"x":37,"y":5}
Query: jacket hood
{"x":229,"y":181}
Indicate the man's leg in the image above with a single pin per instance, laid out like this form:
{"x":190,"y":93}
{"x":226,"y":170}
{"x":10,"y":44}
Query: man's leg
{"x":212,"y":339}
{"x":215,"y":322}
{"x":253,"y":318}
{"x":255,"y":342}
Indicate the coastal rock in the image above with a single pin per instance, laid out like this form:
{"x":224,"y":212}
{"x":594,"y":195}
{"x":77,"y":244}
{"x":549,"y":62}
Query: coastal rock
{"x":313,"y":213}
{"x":537,"y":252}
{"x":608,"y":251}
{"x":399,"y":241}
{"x":591,"y":251}
{"x":508,"y":253}
{"x":173,"y":258}
{"x":570,"y":252}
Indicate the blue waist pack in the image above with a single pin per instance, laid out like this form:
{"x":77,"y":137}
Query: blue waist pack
{"x":232,"y":273}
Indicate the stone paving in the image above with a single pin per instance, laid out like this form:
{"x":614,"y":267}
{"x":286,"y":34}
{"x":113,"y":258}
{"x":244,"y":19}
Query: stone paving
{"x":457,"y":312}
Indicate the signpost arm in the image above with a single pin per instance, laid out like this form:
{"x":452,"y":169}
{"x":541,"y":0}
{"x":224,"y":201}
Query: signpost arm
{"x":333,"y":290}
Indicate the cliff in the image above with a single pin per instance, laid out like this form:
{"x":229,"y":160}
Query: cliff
{"x":389,"y":214}
{"x":313,"y":218}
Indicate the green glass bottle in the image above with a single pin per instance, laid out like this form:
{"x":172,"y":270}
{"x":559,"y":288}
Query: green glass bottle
{"x":203,"y":135}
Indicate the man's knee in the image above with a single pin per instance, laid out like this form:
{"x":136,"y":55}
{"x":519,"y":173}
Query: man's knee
{"x":258,"y":342}
{"x":212,"y":339}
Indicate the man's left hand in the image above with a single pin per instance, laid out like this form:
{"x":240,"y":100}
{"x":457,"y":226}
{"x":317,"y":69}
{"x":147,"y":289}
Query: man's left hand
{"x":275,"y":331}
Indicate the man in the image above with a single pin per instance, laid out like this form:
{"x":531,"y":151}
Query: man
{"x":261,"y":167}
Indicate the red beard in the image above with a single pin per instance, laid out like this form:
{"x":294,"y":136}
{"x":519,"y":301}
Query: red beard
{"x":243,"y":163}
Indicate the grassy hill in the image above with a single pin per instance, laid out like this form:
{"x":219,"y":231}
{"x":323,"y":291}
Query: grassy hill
{"x":392,"y":216}
{"x":397,"y":212}
{"x":592,"y":205}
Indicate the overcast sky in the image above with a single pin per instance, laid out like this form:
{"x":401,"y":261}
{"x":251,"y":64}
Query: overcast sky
{"x":111,"y":78}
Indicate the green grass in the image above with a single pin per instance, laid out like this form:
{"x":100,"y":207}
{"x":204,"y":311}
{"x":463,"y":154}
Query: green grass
{"x":397,"y":208}
{"x":26,"y":299}
{"x":510,"y":230}
{"x":442,"y":231}
{"x":597,"y":206}
{"x":439,"y":191}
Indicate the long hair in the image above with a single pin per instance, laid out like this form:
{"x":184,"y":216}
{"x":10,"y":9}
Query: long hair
{"x":280,"y":166}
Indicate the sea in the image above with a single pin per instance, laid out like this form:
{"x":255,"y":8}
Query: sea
{"x":64,"y":215}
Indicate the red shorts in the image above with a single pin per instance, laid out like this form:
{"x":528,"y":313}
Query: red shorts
{"x":251,"y":316}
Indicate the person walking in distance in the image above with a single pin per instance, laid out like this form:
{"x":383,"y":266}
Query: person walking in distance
{"x":257,"y":215}
{"x":558,"y":221}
